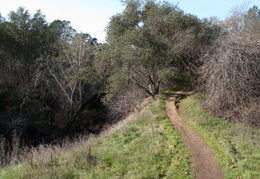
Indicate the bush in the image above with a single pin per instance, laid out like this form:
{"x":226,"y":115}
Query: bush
{"x":231,"y":74}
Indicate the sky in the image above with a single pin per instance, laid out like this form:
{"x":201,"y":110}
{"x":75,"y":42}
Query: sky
{"x":92,"y":16}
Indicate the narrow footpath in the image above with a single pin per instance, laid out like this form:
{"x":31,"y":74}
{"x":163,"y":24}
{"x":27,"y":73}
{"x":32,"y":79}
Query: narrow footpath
{"x":203,"y":159}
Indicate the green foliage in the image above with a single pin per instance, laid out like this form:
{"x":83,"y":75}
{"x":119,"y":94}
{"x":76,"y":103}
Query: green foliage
{"x":29,"y":36}
{"x":150,"y":47}
{"x":146,"y":145}
{"x":236,"y":146}
{"x":149,"y":44}
{"x":253,"y":17}
{"x":25,"y":39}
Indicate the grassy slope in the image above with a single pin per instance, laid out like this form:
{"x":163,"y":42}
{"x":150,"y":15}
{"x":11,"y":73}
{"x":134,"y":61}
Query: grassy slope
{"x":237,"y":147}
{"x":143,"y":146}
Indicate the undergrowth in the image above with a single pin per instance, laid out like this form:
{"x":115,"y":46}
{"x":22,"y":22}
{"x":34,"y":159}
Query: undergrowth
{"x":237,"y":147}
{"x":145,"y":145}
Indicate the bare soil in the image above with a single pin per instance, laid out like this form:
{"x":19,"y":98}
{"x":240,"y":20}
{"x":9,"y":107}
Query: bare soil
{"x":203,"y":159}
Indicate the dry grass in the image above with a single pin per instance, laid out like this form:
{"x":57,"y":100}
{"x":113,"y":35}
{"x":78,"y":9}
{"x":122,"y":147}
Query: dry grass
{"x":13,"y":152}
{"x":145,"y":145}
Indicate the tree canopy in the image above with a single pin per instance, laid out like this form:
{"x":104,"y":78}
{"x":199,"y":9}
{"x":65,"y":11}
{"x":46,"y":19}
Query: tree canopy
{"x":45,"y":74}
{"x":150,"y":46}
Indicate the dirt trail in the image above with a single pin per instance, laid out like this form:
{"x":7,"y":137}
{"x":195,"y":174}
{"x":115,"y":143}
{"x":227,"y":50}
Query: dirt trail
{"x":203,"y":159}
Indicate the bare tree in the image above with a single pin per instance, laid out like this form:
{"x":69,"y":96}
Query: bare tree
{"x":68,"y":73}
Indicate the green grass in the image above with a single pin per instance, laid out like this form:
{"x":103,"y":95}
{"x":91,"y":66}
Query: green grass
{"x":145,"y":145}
{"x":237,"y":147}
{"x":170,"y":91}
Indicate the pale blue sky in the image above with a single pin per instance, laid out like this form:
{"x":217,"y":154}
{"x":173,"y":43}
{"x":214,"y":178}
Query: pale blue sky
{"x":92,"y":16}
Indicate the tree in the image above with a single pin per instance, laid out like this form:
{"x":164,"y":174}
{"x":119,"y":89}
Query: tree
{"x":25,"y":39}
{"x":69,"y":73}
{"x":46,"y":75}
{"x":62,"y":29}
{"x":241,"y":18}
{"x":148,"y":45}
{"x":252,"y":19}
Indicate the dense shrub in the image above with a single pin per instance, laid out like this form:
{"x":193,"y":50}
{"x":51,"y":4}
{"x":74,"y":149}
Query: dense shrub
{"x":230,"y":73}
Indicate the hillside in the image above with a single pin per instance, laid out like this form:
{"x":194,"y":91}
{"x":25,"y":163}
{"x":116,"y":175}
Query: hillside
{"x":236,"y":146}
{"x":71,"y":107}
{"x":145,"y":145}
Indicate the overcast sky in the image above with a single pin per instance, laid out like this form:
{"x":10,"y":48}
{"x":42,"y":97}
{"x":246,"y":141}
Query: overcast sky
{"x":92,"y":16}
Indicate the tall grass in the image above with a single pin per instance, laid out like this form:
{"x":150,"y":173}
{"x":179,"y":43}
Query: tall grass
{"x":237,"y":147}
{"x":145,"y":145}
{"x":13,"y":153}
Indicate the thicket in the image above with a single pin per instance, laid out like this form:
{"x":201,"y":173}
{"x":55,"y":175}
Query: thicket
{"x":231,"y":69}
{"x":47,"y":85}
